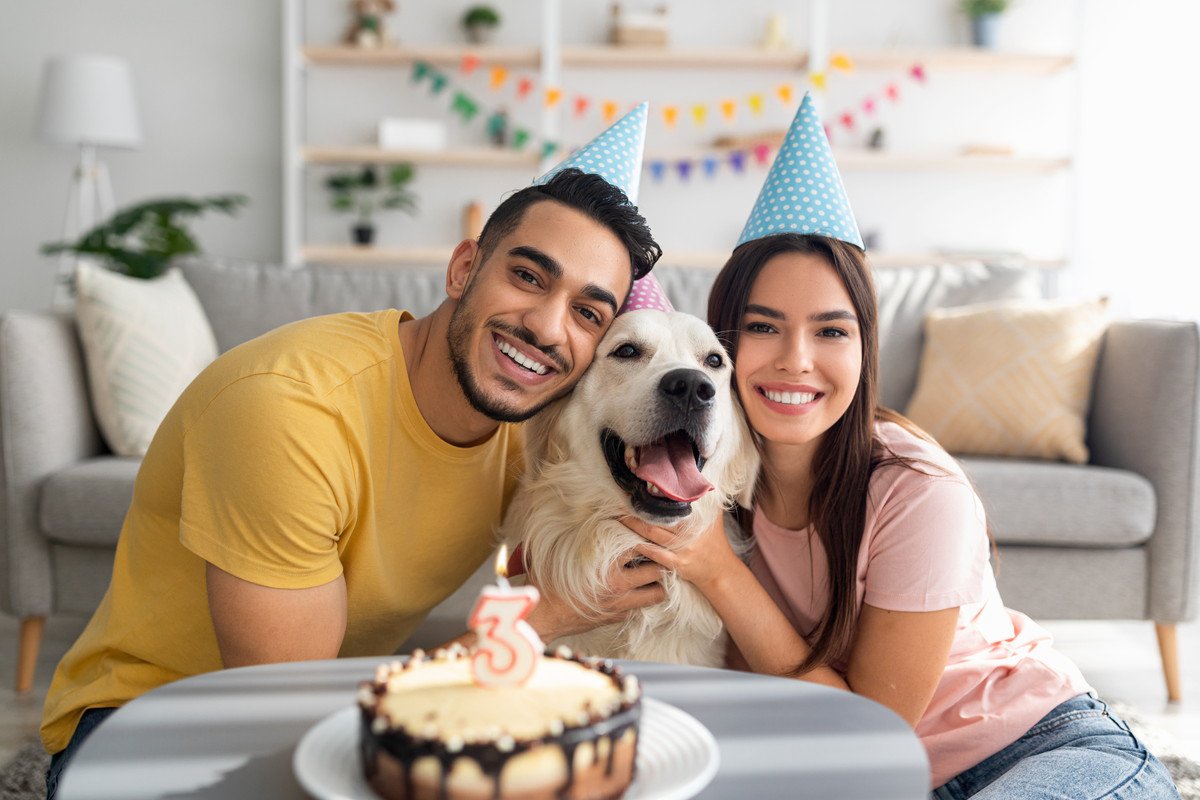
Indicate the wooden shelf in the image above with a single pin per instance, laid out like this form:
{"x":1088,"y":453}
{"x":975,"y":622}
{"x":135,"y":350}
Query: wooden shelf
{"x":453,"y":157}
{"x":847,"y":159}
{"x":348,"y":255}
{"x":952,"y":162}
{"x":442,"y":55}
{"x":938,"y":59}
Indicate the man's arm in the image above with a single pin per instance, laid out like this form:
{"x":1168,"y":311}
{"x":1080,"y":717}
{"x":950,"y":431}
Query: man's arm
{"x":260,"y":625}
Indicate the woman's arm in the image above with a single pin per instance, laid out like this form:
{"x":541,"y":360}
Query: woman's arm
{"x":897,"y":657}
{"x":765,"y":637}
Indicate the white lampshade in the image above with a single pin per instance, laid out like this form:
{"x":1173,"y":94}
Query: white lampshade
{"x":88,"y":100}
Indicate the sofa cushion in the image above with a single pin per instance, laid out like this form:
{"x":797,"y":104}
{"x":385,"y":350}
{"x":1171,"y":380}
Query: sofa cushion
{"x":1011,"y":378}
{"x":245,"y":299}
{"x":86,"y":502}
{"x":1048,"y":503}
{"x":908,"y":294}
{"x":143,"y":342}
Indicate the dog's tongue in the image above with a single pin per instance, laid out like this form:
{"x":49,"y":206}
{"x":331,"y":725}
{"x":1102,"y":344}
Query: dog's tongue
{"x":670,"y":466}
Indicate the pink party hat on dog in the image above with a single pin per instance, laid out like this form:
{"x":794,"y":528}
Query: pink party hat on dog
{"x":803,"y":192}
{"x":616,"y":156}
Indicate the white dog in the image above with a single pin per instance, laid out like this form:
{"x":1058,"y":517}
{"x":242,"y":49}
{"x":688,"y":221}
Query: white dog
{"x":652,"y":430}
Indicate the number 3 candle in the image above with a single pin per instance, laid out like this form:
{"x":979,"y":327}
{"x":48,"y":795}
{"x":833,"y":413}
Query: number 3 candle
{"x":509,"y":649}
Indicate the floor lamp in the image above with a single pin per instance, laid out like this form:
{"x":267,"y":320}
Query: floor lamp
{"x":87,"y":102}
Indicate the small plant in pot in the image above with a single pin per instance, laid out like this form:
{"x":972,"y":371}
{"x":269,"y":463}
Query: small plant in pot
{"x":985,"y":19}
{"x":362,"y":192}
{"x":480,"y":22}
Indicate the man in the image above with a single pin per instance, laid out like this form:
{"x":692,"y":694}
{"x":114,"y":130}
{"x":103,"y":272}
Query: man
{"x":316,"y":491}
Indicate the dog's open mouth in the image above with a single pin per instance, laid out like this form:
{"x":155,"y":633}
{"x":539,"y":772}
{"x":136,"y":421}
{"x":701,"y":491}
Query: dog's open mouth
{"x":662,"y":478}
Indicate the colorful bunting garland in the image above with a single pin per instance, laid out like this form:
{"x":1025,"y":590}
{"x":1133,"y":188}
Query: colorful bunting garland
{"x":524,"y":86}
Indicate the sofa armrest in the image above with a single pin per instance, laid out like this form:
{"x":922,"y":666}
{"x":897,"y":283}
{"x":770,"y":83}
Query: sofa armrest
{"x":1144,"y":418}
{"x":46,"y":424}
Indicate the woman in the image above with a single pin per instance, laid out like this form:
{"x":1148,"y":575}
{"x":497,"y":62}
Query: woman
{"x":870,"y":571}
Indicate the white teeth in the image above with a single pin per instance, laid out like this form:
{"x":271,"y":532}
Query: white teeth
{"x":654,"y":490}
{"x":519,"y":357}
{"x":790,"y":398}
{"x":631,"y":457}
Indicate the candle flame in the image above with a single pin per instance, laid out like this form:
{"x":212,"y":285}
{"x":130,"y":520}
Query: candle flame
{"x":502,"y":561}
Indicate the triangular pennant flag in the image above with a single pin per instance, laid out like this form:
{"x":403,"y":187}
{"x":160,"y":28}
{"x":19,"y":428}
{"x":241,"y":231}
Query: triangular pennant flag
{"x":817,"y":79}
{"x":671,"y":116}
{"x":548,"y":149}
{"x":737,"y":160}
{"x":918,"y":72}
{"x":615,"y":154}
{"x":892,"y":91}
{"x":699,"y":114}
{"x":803,"y":192}
{"x":762,"y":152}
{"x":470,"y":62}
{"x":869,"y":105}
{"x":419,"y":71}
{"x":608,"y":110}
{"x":498,"y":77}
{"x":685,"y":169}
{"x":524,"y":87}
{"x":755,"y":101}
{"x":657,"y":168}
{"x":842,"y":62}
{"x":728,"y":109}
{"x":520,"y":137}
{"x":464,"y":105}
{"x":786,"y":93}
{"x":581,"y":105}
{"x":552,"y":97}
{"x":439,"y":81}
{"x":847,"y":121}
{"x":710,"y":166}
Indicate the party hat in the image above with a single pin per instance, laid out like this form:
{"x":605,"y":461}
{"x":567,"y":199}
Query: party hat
{"x":803,"y":192}
{"x":615,"y":154}
{"x":647,"y":292}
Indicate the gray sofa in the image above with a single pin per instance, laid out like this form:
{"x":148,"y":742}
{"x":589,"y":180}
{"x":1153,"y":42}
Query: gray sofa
{"x":1113,"y":539}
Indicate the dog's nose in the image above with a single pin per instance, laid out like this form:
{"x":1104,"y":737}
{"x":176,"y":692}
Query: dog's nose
{"x":687,"y":389}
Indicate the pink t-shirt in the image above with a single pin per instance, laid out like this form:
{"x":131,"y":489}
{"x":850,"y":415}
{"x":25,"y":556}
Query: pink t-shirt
{"x":925,"y":548}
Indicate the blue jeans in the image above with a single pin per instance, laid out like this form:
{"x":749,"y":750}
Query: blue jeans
{"x":90,"y":720}
{"x":1079,"y":750}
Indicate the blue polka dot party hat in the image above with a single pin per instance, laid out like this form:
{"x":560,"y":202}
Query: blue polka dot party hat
{"x":615,"y":154}
{"x":803,"y":192}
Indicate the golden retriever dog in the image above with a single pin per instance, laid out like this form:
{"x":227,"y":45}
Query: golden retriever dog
{"x":652,"y":430}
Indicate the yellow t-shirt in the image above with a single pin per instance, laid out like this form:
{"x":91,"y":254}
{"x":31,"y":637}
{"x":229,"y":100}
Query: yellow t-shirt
{"x":292,"y":459}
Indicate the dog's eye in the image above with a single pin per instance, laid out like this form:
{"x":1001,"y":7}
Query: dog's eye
{"x":626,"y":351}
{"x":714,"y":360}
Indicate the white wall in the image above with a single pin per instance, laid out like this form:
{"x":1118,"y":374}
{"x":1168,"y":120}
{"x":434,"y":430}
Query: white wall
{"x":208,"y":79}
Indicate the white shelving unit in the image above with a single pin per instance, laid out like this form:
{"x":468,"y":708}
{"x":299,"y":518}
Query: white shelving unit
{"x":550,"y":58}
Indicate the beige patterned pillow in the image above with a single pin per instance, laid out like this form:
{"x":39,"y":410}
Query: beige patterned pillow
{"x":143,"y":342}
{"x":1011,"y":378}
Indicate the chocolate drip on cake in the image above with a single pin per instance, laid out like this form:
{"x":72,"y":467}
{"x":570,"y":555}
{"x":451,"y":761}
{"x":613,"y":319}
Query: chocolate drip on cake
{"x":381,"y":735}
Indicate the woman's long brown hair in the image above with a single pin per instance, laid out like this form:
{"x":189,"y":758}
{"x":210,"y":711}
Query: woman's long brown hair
{"x":849,"y":452}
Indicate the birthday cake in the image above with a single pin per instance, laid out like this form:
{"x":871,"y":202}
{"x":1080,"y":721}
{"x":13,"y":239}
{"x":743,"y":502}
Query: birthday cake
{"x":429,"y":731}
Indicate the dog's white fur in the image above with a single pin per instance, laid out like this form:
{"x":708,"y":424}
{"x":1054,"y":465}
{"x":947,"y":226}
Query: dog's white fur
{"x":567,"y":509}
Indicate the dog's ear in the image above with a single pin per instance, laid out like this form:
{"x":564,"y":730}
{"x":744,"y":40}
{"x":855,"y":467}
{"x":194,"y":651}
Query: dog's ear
{"x":742,"y":472}
{"x":541,"y":443}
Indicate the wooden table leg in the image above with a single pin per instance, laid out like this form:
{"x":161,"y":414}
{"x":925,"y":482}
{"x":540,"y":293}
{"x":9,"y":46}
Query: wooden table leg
{"x":27,"y":651}
{"x":1169,"y":651}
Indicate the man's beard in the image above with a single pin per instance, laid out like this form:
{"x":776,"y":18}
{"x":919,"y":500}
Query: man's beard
{"x":462,"y":324}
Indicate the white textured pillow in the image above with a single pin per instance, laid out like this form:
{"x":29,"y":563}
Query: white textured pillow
{"x":143,"y":341}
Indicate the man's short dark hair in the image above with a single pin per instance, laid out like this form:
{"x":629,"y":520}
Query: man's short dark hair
{"x":585,"y":192}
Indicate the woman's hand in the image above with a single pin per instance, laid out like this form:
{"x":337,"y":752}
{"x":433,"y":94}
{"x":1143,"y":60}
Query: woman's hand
{"x":629,"y":586}
{"x":701,"y":561}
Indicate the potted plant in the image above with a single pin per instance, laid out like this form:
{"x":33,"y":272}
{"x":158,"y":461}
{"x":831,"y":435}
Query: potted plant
{"x":362,"y":192}
{"x":140,"y":241}
{"x":985,"y":17}
{"x":480,"y":22}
